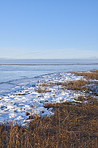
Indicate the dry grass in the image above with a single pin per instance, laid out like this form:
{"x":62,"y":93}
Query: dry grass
{"x":72,"y":85}
{"x":44,"y":84}
{"x":88,"y":75}
{"x":40,"y":90}
{"x":76,"y":85}
{"x":71,"y":126}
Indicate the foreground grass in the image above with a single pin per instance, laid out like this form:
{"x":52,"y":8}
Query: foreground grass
{"x":73,"y":125}
{"x":70,"y":126}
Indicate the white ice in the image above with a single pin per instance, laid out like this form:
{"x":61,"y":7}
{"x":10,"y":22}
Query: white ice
{"x":13,"y":107}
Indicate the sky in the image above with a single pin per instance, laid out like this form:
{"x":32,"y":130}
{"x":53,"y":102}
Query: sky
{"x":48,"y":29}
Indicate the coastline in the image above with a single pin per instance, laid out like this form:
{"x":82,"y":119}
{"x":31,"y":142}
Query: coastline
{"x":69,"y":123}
{"x":50,"y":88}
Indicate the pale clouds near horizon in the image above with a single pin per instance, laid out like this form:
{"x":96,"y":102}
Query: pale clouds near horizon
{"x":47,"y":54}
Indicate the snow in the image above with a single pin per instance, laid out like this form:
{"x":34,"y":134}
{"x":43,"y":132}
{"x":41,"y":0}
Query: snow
{"x":25,"y":98}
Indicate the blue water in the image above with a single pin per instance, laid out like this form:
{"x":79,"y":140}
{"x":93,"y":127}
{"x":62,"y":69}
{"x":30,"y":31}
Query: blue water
{"x":14,"y":71}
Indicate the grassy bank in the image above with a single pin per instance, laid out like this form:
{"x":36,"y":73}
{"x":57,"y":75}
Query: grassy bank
{"x":73,"y":125}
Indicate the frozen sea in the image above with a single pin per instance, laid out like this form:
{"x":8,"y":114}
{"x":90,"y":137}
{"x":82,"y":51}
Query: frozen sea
{"x":20,"y":81}
{"x":13,"y":72}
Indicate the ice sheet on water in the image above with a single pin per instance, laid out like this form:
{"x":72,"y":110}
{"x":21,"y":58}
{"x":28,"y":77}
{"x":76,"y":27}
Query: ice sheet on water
{"x":24,"y":97}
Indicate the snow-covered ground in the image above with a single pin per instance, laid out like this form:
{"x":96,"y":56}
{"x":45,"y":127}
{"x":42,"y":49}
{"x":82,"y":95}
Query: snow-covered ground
{"x":31,"y":97}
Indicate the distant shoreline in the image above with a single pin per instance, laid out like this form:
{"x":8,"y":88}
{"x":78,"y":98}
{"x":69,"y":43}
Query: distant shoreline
{"x":49,"y":64}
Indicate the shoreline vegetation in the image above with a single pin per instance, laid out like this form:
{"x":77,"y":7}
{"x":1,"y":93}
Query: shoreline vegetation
{"x":73,"y":124}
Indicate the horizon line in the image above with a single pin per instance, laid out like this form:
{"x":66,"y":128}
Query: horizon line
{"x":49,"y":58}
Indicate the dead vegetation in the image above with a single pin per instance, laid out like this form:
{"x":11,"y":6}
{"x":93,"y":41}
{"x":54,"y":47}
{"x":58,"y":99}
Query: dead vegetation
{"x":45,"y":90}
{"x":71,"y":126}
{"x":76,"y":85}
{"x":72,"y":85}
{"x":88,"y":75}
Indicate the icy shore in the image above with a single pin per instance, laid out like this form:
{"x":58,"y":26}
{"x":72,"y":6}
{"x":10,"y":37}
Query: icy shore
{"x":29,"y":99}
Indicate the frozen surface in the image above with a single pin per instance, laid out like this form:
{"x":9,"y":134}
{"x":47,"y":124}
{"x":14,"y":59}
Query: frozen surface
{"x":12,"y":72}
{"x":20,"y":81}
{"x":30,"y":97}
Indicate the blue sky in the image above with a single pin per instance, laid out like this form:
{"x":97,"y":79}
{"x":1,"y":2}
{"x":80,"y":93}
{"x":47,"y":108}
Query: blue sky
{"x":53,"y":29}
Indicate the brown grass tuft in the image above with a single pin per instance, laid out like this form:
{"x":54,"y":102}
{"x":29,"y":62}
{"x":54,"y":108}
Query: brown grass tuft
{"x":76,"y":85}
{"x":40,"y":90}
{"x":88,"y":75}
